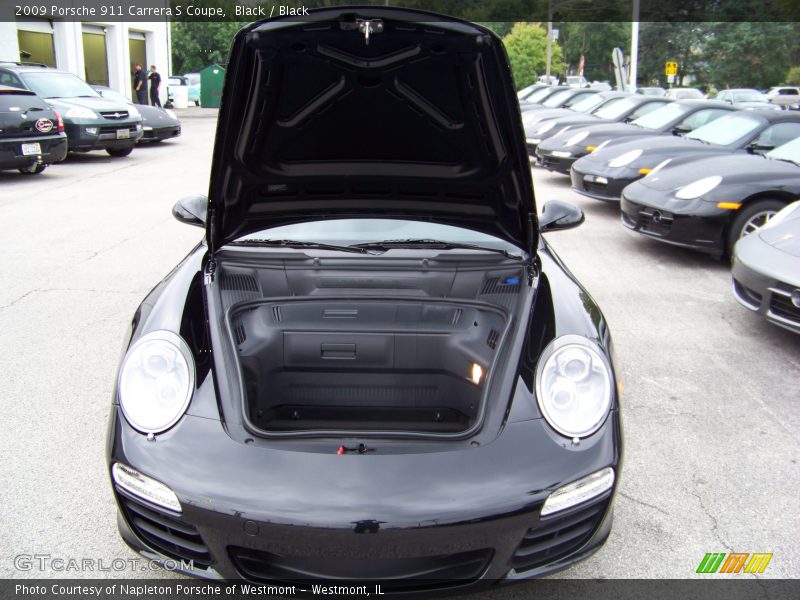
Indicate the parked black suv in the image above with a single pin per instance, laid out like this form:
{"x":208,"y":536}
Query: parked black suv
{"x":31,"y":133}
{"x":91,"y":122}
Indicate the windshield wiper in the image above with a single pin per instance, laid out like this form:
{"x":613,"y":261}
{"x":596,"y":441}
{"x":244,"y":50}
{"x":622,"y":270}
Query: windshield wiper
{"x":267,"y":243}
{"x":433,"y":244}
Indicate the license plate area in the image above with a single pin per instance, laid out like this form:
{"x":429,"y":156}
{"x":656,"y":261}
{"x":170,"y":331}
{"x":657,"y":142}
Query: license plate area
{"x":31,"y":149}
{"x":123,"y":134}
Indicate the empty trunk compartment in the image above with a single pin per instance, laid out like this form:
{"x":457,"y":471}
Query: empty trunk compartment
{"x":365,"y":365}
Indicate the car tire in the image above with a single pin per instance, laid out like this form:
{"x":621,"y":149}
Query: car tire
{"x":118,"y":153}
{"x":33,"y":169}
{"x":753,"y":215}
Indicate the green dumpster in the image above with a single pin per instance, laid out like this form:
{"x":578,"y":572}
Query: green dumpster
{"x":211,"y":80}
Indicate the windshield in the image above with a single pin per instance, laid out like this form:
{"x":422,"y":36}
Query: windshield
{"x":57,"y":85}
{"x":789,"y":151}
{"x":687,"y":94}
{"x":588,"y":103}
{"x":726,"y":130}
{"x":114,"y":95}
{"x":359,"y":231}
{"x":747,"y":96}
{"x":662,"y":117}
{"x":617,"y":110}
{"x":175,"y":81}
{"x":558,"y":98}
{"x":539,"y":94}
{"x":574,"y":79}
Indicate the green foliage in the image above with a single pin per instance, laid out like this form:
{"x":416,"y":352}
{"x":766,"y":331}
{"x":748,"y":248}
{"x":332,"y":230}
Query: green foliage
{"x":197,"y":44}
{"x":793,"y":76}
{"x":595,"y":41}
{"x":526,"y":45}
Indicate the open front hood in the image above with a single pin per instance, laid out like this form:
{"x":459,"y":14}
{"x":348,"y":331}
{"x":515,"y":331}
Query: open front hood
{"x":418,"y":120}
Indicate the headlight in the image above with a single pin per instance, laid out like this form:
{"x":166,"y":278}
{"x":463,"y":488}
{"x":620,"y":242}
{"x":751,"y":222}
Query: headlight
{"x":601,"y":146}
{"x":625,"y":159}
{"x":156,"y":381}
{"x":658,"y":167}
{"x":577,"y":138}
{"x":145,"y":487}
{"x":573,"y":386}
{"x":698,"y":188}
{"x":545,"y":128}
{"x":133,"y":111}
{"x":562,"y":131}
{"x":81,"y":113}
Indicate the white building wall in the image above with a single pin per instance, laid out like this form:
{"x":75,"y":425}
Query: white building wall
{"x":9,"y":47}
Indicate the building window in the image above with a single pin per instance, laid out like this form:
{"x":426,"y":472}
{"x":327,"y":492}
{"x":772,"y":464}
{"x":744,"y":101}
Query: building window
{"x":36,"y":47}
{"x":94,"y":57}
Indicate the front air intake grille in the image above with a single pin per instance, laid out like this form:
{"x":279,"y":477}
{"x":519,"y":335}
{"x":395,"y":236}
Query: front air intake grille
{"x":556,"y":537}
{"x":115,"y":115}
{"x":400,"y":574}
{"x":166,"y":534}
{"x":782,"y":306}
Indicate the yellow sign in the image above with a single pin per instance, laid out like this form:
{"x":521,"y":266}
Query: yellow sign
{"x":671,"y":68}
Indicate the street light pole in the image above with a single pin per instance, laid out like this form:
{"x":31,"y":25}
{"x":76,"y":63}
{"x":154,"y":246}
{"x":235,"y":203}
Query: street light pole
{"x":634,"y":45}
{"x":549,"y":39}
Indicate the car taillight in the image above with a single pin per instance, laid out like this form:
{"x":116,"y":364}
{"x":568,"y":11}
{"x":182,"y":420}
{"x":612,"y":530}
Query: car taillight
{"x":60,"y":121}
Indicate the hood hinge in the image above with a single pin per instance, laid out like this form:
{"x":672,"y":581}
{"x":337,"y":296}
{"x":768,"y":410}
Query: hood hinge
{"x":210,"y":270}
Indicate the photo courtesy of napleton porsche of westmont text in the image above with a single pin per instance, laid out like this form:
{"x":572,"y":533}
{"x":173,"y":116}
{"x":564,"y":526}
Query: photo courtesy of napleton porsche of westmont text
{"x":400,"y":297}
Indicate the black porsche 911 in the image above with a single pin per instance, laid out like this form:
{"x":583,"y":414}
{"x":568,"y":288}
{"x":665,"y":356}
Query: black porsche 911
{"x":31,"y":133}
{"x":672,"y":119}
{"x":604,"y":173}
{"x":620,"y":108}
{"x":709,"y":204}
{"x":374,"y":366}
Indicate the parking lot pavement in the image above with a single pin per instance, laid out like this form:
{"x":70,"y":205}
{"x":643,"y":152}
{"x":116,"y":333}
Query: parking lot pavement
{"x":710,"y":402}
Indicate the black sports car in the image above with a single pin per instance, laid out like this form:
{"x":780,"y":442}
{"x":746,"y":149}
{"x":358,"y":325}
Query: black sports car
{"x":621,"y":107}
{"x":584,"y":106}
{"x":158,"y":124}
{"x":534,"y":100}
{"x":563,"y":98}
{"x":670,"y":119}
{"x":31,"y":133}
{"x":766,"y":269}
{"x":604,"y":173}
{"x":708,"y":204}
{"x":373,"y":366}
{"x":91,"y":123}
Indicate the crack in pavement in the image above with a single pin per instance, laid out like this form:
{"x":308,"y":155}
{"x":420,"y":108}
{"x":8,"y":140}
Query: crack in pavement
{"x":643,"y":503}
{"x":715,"y":523}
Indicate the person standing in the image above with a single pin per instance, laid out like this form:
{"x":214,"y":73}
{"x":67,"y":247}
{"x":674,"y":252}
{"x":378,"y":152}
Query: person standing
{"x":140,"y":85}
{"x":155,"y":85}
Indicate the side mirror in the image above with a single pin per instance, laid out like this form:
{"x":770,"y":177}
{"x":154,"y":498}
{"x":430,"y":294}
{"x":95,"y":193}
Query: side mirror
{"x":680,"y":130}
{"x":559,"y":215}
{"x":191,"y":210}
{"x":756,"y":148}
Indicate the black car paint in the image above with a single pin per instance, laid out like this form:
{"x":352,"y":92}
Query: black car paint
{"x":699,"y":224}
{"x":417,"y":498}
{"x":157,"y":125}
{"x":685,"y":150}
{"x":23,"y":116}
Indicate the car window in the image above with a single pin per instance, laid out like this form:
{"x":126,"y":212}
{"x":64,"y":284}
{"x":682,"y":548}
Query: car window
{"x":539,"y":94}
{"x":788,"y":151}
{"x":7,"y":78}
{"x":701,"y":117}
{"x":577,"y":98}
{"x":616,"y":110}
{"x":747,"y":97}
{"x":588,"y":103}
{"x":358,"y":231}
{"x":50,"y":84}
{"x":115,"y":95}
{"x":664,"y":116}
{"x":645,"y":109}
{"x":728,"y":129}
{"x":557,"y":99}
{"x":723,"y":96}
{"x":778,"y":134}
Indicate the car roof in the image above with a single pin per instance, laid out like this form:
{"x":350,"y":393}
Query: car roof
{"x":703,"y":102}
{"x":742,"y":90}
{"x":776,"y":115}
{"x":23,"y":68}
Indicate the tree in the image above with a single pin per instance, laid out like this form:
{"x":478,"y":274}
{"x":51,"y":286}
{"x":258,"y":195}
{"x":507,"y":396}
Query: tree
{"x":594,"y":41}
{"x":793,"y":76}
{"x":526,"y":45}
{"x":197,"y":44}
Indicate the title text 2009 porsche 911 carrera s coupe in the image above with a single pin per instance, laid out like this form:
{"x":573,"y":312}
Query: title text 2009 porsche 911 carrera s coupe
{"x":373,"y":366}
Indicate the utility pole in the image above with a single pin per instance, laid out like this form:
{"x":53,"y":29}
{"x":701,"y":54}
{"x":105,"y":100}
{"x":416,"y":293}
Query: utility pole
{"x":549,"y":38}
{"x":634,"y":45}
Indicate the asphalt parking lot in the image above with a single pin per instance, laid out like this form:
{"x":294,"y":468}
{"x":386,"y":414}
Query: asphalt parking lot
{"x":710,"y":402}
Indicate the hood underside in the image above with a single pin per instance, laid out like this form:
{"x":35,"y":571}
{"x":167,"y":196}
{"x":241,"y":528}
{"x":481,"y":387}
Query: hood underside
{"x":370,"y":112}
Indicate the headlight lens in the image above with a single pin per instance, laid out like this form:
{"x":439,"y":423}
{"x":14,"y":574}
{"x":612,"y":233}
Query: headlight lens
{"x":698,"y":188}
{"x":573,"y":386}
{"x":577,"y":138}
{"x":659,"y":166}
{"x":624,"y":160}
{"x":81,"y":113}
{"x":601,"y":146}
{"x":156,"y":382}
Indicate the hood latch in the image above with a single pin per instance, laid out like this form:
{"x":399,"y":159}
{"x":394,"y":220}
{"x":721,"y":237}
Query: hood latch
{"x":369,"y":27}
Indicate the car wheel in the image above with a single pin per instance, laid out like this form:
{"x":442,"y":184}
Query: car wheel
{"x":197,"y":102}
{"x":120,"y":152}
{"x":33,"y":169}
{"x":751,"y":217}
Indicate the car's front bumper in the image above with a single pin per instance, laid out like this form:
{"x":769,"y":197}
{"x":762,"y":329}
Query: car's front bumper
{"x":765,"y":280}
{"x":602,"y":182}
{"x":702,"y":230}
{"x":264,"y":513}
{"x":152,"y":134}
{"x":555,"y":160}
{"x":53,"y":149}
{"x":105,"y":135}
